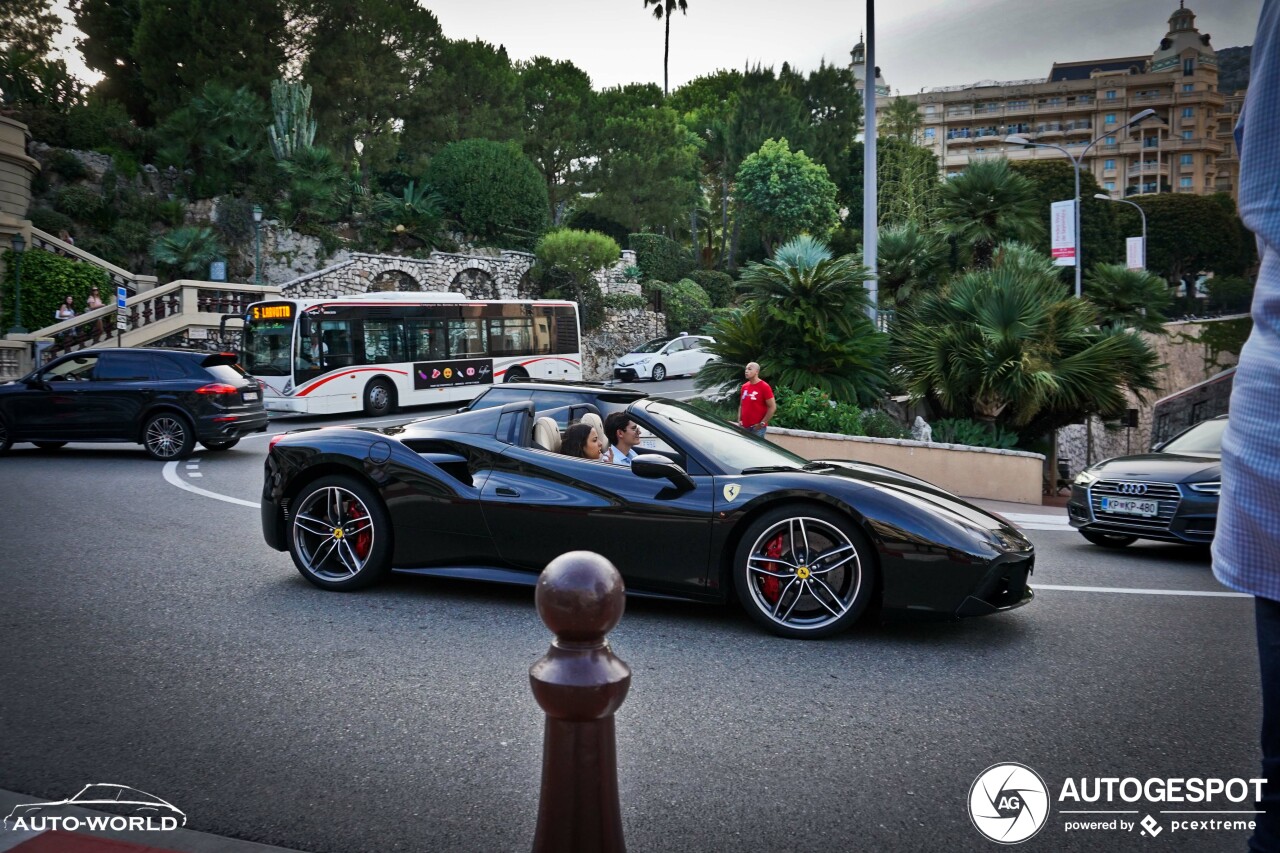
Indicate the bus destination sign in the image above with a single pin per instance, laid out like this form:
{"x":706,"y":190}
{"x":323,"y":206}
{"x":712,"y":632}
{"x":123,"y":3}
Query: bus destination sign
{"x":272,"y":311}
{"x":452,"y":374}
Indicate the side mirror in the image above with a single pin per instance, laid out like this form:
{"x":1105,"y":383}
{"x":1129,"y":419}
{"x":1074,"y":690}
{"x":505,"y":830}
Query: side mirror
{"x":1158,"y":446}
{"x":36,"y":383}
{"x":653,"y":467}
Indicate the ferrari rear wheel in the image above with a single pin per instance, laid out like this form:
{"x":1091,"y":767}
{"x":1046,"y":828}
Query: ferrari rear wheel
{"x":1109,"y":540}
{"x":340,"y":534}
{"x":804,"y":572}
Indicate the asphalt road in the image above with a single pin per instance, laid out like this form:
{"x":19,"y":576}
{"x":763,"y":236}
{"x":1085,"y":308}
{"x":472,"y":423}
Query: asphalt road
{"x":151,"y":639}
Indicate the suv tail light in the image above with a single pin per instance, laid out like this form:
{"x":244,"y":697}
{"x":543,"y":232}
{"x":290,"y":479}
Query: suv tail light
{"x":218,"y":388}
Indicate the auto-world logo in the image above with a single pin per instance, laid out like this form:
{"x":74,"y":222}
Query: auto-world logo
{"x":1009,"y":803}
{"x":126,"y":809}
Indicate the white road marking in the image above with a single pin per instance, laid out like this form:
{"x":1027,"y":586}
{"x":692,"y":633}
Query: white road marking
{"x":194,"y":474}
{"x":1189,"y":592}
{"x":1036,"y":518}
{"x":1060,"y":528}
{"x":171,"y":476}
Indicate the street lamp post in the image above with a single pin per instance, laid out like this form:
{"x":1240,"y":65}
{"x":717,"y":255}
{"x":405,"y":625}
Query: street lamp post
{"x":870,"y":192}
{"x":1076,"y":162}
{"x":1141,"y":212}
{"x":18,"y":246}
{"x":257,"y":244}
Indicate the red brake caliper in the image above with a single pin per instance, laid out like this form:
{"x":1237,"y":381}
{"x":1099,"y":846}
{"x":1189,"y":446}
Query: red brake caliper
{"x":364,"y":539}
{"x":770,"y":586}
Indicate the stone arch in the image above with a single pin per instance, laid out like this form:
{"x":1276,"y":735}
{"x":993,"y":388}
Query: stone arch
{"x":394,"y":280}
{"x":475,"y":283}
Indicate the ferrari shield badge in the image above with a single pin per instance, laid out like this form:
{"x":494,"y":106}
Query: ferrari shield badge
{"x":731,"y":491}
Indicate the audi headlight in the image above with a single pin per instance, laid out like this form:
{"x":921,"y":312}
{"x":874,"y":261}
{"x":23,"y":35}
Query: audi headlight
{"x":1213,"y":488}
{"x":1086,"y":477}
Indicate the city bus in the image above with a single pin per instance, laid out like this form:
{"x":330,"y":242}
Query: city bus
{"x":373,"y":352}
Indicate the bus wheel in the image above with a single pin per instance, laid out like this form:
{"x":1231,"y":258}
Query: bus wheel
{"x":379,"y":398}
{"x":515,"y":374}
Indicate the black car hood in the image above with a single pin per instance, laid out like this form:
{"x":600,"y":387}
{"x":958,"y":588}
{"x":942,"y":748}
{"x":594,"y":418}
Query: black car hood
{"x":1160,"y":467}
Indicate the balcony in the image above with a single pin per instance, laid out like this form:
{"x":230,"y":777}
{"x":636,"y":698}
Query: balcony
{"x":1148,"y":169}
{"x":1078,"y":130}
{"x":953,"y":141}
{"x":1152,"y":99}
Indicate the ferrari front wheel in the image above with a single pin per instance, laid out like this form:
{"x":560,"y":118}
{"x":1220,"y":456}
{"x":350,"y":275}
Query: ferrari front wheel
{"x":340,"y":534}
{"x":804,"y":572}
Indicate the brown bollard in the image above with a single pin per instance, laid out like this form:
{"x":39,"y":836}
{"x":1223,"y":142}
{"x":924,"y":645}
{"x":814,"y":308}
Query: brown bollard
{"x":580,"y":683}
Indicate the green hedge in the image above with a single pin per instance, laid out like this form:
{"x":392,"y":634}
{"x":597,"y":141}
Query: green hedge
{"x":971,"y":433}
{"x":660,"y":257}
{"x":47,"y":279}
{"x":492,"y":190}
{"x":814,"y":410}
{"x":718,"y":285}
{"x":686,"y":306}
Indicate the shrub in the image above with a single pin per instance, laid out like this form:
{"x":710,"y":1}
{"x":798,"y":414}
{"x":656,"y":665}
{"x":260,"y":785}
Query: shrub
{"x":491,"y":189}
{"x":1229,"y":292}
{"x":66,"y":165}
{"x":660,"y":257}
{"x":96,"y":124}
{"x":80,"y":203}
{"x":973,"y":433}
{"x":877,"y":424}
{"x":687,"y":306}
{"x":47,"y":279}
{"x":50,"y":221}
{"x":186,"y":251}
{"x":624,"y":301}
{"x":814,"y":410}
{"x":133,"y":237}
{"x":234,"y":220}
{"x":171,"y":213}
{"x":718,"y":285}
{"x":578,"y":255}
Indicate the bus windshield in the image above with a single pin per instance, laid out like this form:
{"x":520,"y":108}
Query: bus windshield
{"x":266,"y":347}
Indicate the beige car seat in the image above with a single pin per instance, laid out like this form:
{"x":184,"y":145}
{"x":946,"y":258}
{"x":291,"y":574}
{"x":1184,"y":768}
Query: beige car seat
{"x":546,"y":434}
{"x":592,"y":420}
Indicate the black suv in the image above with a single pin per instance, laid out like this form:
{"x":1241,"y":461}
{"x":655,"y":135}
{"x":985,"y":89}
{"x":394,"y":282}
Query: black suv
{"x":165,"y":400}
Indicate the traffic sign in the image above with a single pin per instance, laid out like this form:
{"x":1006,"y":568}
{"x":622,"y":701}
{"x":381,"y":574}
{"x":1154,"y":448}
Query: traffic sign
{"x":121,"y":296}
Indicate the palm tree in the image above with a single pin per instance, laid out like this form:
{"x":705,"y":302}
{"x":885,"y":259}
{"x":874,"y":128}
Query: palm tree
{"x":910,"y":258}
{"x":901,"y":120}
{"x":803,"y":319}
{"x":1009,"y":344}
{"x":988,"y":204}
{"x":417,"y":213}
{"x":1130,"y":299}
{"x":661,"y":9}
{"x":186,"y":250}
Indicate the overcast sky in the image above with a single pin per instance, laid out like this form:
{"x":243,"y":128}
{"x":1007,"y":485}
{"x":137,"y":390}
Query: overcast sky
{"x":919,"y":44}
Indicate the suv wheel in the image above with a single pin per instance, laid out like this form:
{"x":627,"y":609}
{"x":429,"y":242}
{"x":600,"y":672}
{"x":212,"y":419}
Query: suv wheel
{"x":168,"y":436}
{"x":5,"y":441}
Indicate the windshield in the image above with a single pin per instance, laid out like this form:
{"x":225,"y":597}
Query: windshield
{"x":733,"y":448}
{"x":652,"y":346}
{"x":266,"y":347}
{"x":1204,"y":437}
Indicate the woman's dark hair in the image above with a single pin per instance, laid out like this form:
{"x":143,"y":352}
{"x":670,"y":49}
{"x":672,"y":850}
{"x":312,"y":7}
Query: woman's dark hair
{"x":575,"y":441}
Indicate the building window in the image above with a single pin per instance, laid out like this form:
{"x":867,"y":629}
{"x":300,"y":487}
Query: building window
{"x":1188,"y":67}
{"x":1185,"y":159}
{"x":1188,"y":112}
{"x":1186,"y":134}
{"x":1184,"y":182}
{"x":1188,"y":87}
{"x":1151,"y":142}
{"x":1111,"y":94}
{"x":1108,"y":164}
{"x":1110,"y":119}
{"x":1110,"y":186}
{"x":1110,"y":140}
{"x":930,"y":109}
{"x":929,"y":133}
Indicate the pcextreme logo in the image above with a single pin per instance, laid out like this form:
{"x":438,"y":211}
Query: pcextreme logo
{"x":128,"y":809}
{"x":1009,"y":803}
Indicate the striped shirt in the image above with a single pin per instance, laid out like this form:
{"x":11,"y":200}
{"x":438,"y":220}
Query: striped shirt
{"x":1246,"y":548}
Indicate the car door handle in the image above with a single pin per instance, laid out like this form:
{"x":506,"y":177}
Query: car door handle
{"x":507,"y":492}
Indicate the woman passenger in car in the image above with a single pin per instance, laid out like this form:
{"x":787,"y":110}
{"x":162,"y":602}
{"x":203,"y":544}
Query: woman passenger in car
{"x":581,"y":441}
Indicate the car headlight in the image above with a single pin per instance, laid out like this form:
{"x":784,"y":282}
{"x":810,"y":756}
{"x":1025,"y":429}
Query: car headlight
{"x":1213,"y":488}
{"x":640,"y":361}
{"x":1086,"y":477}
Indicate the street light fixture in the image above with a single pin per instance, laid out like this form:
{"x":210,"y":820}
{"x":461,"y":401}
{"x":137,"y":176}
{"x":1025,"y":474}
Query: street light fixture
{"x":1141,"y":212}
{"x":257,"y":244}
{"x":1076,"y":161}
{"x":18,"y":246}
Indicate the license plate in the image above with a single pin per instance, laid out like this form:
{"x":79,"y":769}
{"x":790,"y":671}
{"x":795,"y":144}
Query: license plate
{"x":1130,"y":506}
{"x":251,"y":395}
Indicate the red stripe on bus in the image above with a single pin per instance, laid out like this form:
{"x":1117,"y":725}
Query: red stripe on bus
{"x":533,"y":360}
{"x":348,"y":373}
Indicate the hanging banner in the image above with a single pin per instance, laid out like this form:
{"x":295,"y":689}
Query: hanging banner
{"x":1062,"y":228}
{"x":1135,"y":253}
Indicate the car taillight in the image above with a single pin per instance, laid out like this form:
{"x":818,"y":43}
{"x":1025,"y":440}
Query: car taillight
{"x":218,"y":388}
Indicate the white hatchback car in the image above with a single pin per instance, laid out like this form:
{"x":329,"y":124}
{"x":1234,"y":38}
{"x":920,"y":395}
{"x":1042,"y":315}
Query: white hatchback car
{"x":665,"y":357}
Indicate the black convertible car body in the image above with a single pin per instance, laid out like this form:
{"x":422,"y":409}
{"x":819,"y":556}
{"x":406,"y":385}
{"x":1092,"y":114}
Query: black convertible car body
{"x":711,"y":512}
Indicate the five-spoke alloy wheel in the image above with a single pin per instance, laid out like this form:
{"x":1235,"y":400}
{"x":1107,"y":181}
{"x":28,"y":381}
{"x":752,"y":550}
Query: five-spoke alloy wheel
{"x":659,"y":373}
{"x":339,"y":534}
{"x":168,"y":436}
{"x":804,"y":572}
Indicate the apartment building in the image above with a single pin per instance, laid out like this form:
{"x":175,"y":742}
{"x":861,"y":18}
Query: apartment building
{"x":1189,"y":149}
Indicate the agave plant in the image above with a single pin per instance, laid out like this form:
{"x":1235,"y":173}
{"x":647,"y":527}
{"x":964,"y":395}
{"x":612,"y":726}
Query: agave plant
{"x":417,"y":213}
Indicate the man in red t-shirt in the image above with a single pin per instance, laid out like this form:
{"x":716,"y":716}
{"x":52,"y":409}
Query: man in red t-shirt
{"x":758,"y":404}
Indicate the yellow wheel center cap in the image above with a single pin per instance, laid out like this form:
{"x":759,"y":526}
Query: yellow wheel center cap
{"x":337,"y":533}
{"x":803,"y":573}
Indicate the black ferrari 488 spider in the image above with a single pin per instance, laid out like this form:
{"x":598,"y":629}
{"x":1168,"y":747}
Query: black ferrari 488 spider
{"x":707,"y":511}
